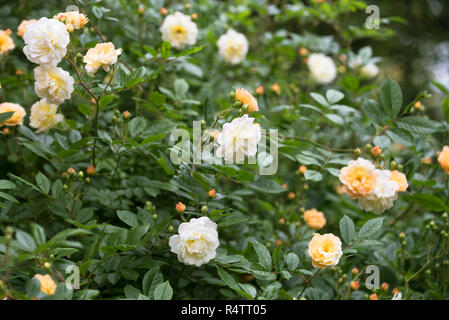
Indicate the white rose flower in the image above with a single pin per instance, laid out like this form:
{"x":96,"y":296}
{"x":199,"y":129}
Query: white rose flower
{"x":103,"y":55}
{"x":44,"y":116}
{"x":179,"y":30}
{"x":322,"y":68}
{"x":196,"y":242}
{"x":369,"y":71}
{"x":233,"y":46}
{"x":383,"y":195}
{"x":241,"y":137}
{"x":53,"y":84}
{"x":46,"y":41}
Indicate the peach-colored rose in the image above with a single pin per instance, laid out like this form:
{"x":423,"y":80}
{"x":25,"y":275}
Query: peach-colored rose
{"x":245,"y":97}
{"x":401,"y":179}
{"x":6,"y":42}
{"x":443,"y":158}
{"x":17,"y":117}
{"x":23,"y":25}
{"x":72,"y":20}
{"x":325,"y":250}
{"x":48,"y":286}
{"x":314,"y":219}
{"x":359,"y":178}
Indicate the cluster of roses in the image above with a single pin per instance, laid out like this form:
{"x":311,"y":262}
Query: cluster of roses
{"x":46,"y":42}
{"x":376,"y":189}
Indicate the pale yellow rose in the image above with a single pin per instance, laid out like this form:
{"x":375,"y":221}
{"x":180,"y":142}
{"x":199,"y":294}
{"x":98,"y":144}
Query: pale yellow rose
{"x":48,"y":286}
{"x":443,"y":158}
{"x":314,"y":219}
{"x":359,"y":178}
{"x":17,"y":117}
{"x":102,"y":55}
{"x":44,"y":116}
{"x":6,"y":42}
{"x":325,"y":250}
{"x":72,"y":20}
{"x":401,"y":180}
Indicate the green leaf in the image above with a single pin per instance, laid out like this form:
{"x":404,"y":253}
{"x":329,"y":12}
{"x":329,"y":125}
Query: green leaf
{"x":418,"y":125}
{"x":189,"y":51}
{"x":105,"y":100}
{"x":267,"y":186}
{"x":335,"y":119}
{"x":370,"y":228}
{"x":163,"y":291}
{"x":263,"y":254}
{"x":128,"y":217}
{"x":313,"y":175}
{"x":292,"y":261}
{"x":181,"y":87}
{"x":151,"y":280}
{"x":320,"y":99}
{"x":333,"y":96}
{"x":165,"y":49}
{"x":5,"y":116}
{"x":6,"y":184}
{"x":391,"y":97}
{"x":43,"y":182}
{"x":25,"y":241}
{"x":347,"y":229}
{"x":137,"y":125}
{"x":400,"y":136}
{"x":429,"y":201}
{"x":38,"y":234}
{"x":373,"y":111}
{"x":227,"y":279}
{"x":382,"y":142}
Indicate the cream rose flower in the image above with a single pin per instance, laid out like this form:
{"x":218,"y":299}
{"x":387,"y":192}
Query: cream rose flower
{"x":325,"y":250}
{"x":383,"y":195}
{"x":23,"y":25}
{"x":179,"y":30}
{"x":358,"y":178}
{"x":443,"y":158}
{"x":401,"y":180}
{"x":102,"y":55}
{"x":72,"y":20}
{"x":322,"y":68}
{"x":48,"y":286}
{"x":17,"y":117}
{"x":239,"y":137}
{"x":196,"y":242}
{"x":233,"y":46}
{"x":314,"y":219}
{"x":44,"y":116}
{"x":369,"y":71}
{"x":247,"y":98}
{"x":6,"y":42}
{"x":46,"y":41}
{"x":53,"y":84}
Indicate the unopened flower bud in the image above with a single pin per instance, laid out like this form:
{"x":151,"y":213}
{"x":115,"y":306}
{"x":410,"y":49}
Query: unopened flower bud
{"x":155,"y":216}
{"x":244,"y":108}
{"x":212,"y":194}
{"x":170,"y":228}
{"x":90,"y":171}
{"x":281,"y":221}
{"x":368,"y":147}
{"x":355,"y":271}
{"x":71,"y":172}
{"x":9,"y":230}
{"x":194,"y":16}
{"x":260,"y":90}
{"x":382,"y":157}
{"x":355,"y":285}
{"x":291,"y":195}
{"x":204,"y":210}
{"x":126,"y":115}
{"x":303,"y":51}
{"x":302,"y":169}
{"x":232,"y":94}
{"x":393,"y":165}
{"x":357,"y":152}
{"x":384,"y":286}
{"x":47,"y":265}
{"x":87,"y":180}
{"x":180,"y":207}
{"x":163,"y":11}
{"x":278,"y":242}
{"x":65,"y":188}
{"x":374,"y":297}
{"x":400,"y":167}
{"x":203,"y":124}
{"x":80,"y":174}
{"x":402,"y":236}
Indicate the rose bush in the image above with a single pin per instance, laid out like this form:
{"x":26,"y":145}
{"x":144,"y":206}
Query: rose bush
{"x":325,"y":170}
